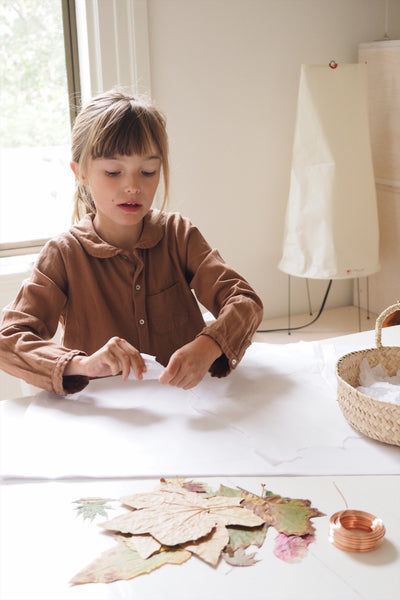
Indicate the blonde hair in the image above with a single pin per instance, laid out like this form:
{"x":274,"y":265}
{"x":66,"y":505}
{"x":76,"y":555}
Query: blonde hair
{"x":116,"y":123}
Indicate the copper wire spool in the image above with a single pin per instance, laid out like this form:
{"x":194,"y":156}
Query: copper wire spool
{"x":356,"y":531}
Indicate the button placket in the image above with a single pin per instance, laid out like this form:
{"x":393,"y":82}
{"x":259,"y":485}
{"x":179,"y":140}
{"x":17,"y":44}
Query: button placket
{"x":139,"y":301}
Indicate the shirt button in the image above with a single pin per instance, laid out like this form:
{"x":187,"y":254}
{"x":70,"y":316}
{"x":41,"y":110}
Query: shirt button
{"x":138,"y":287}
{"x":234,"y":362}
{"x":141,"y":321}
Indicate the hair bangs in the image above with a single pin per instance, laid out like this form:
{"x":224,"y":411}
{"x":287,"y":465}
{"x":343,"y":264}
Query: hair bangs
{"x":130,"y":134}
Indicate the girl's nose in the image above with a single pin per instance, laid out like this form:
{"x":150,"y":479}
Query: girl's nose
{"x":132,"y":187}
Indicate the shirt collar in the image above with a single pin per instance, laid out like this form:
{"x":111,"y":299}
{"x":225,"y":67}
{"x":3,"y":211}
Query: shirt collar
{"x":86,"y":234}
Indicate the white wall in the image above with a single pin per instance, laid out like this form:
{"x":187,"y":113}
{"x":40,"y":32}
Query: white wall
{"x":226,"y":74}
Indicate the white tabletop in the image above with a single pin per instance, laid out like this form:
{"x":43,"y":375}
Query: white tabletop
{"x":44,"y":543}
{"x":274,"y":421}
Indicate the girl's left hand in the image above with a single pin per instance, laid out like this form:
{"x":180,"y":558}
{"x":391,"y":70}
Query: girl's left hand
{"x":188,"y":365}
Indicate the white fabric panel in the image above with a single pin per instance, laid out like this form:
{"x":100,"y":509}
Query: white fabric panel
{"x":331,"y":219}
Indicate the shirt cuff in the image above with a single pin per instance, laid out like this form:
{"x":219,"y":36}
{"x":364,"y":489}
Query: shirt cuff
{"x":68,"y":384}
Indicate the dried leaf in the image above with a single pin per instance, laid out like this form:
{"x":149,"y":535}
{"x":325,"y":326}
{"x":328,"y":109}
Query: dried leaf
{"x":240,"y":537}
{"x":145,"y":545}
{"x":229,"y":492}
{"x":292,"y":548}
{"x":292,"y":517}
{"x":121,"y":562}
{"x":240,"y":558}
{"x":289,"y":516}
{"x":89,"y":508}
{"x":210,"y":547}
{"x":174,"y":516}
{"x":197,"y":486}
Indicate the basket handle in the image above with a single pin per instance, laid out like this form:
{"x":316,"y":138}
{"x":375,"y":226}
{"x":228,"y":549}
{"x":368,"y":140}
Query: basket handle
{"x":379,"y":321}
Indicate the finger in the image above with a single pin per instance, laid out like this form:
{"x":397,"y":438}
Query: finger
{"x":128,"y":357}
{"x":184,"y":378}
{"x":138,"y":365}
{"x":111,"y":360}
{"x":125,"y":364}
{"x":170,"y":372}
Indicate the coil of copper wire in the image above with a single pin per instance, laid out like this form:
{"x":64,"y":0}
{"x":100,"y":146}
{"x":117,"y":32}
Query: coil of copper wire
{"x":356,"y":531}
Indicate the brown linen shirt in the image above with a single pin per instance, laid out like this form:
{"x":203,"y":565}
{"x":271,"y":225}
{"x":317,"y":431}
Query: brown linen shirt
{"x":97,"y":291}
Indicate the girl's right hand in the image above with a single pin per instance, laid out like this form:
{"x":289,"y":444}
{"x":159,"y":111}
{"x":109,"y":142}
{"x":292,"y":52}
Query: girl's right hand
{"x":116,"y":356}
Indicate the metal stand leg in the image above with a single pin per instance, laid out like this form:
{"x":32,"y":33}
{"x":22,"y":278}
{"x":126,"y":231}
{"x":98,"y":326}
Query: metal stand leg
{"x":289,"y":304}
{"x":367,"y":297}
{"x":309,"y":298}
{"x":358,"y":302}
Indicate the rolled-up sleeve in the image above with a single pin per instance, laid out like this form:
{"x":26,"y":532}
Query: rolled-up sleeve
{"x":28,"y":326}
{"x":230,"y":299}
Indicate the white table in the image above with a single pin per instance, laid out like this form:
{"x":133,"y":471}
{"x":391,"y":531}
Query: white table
{"x":243,"y":431}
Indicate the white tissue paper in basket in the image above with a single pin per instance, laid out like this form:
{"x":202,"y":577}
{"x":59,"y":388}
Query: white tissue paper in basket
{"x":377,"y":384}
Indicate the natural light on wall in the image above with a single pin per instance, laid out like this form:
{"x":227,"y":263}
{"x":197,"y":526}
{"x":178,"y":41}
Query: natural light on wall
{"x":36,"y":184}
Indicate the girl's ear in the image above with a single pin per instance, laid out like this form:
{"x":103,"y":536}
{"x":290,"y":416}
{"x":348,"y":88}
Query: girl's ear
{"x":79,"y":176}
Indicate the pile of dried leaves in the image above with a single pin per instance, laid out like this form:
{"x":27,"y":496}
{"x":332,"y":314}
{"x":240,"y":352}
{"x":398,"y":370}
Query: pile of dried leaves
{"x":182,"y":518}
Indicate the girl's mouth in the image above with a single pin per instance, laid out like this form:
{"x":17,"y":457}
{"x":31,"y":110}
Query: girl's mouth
{"x":130,"y":206}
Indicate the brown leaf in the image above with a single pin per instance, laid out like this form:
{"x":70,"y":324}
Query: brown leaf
{"x":174,"y":516}
{"x":121,"y":562}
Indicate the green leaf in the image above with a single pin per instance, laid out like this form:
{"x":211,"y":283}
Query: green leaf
{"x":224,"y":490}
{"x":89,"y":509}
{"x":291,"y":516}
{"x":241,"y":537}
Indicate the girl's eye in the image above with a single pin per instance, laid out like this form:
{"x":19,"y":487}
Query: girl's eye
{"x":148,"y":173}
{"x":112,"y":173}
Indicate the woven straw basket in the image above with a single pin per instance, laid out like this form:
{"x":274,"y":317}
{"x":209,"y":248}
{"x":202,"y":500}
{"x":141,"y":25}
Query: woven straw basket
{"x":374,"y":418}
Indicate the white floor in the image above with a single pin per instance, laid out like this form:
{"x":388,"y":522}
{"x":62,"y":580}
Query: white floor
{"x":331,"y":323}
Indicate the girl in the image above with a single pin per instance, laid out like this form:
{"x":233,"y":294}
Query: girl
{"x":120,"y":280}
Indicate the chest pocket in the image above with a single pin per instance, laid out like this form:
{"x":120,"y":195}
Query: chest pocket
{"x":171,"y":309}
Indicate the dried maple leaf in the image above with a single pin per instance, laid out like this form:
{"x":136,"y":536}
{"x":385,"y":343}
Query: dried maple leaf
{"x":174,"y":516}
{"x":292,"y":548}
{"x":89,"y":508}
{"x":239,"y":558}
{"x":121,"y":562}
{"x":291,"y":516}
{"x":287,"y":515}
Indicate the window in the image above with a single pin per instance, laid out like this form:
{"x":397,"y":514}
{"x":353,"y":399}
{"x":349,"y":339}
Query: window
{"x":36,"y":184}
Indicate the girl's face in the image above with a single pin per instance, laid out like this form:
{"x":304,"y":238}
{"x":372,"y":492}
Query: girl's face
{"x":123,"y":189}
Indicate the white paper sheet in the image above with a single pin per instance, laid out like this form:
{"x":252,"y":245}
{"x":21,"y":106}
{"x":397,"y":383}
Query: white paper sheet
{"x":276,"y":414}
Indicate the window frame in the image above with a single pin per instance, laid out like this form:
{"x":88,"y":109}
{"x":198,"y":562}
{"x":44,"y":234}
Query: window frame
{"x":25,"y":247}
{"x":112,"y":37}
